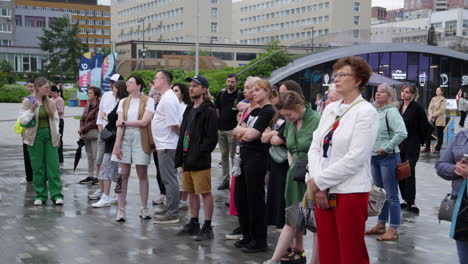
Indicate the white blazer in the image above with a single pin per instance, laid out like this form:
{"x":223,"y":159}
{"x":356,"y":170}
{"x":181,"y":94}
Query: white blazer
{"x":349,"y":168}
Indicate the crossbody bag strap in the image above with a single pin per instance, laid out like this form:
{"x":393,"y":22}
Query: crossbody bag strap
{"x":341,"y":116}
{"x":388,"y":129}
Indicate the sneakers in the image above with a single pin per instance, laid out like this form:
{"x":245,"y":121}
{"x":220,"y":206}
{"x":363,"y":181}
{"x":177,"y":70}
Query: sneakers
{"x":223,"y":186}
{"x":160,"y":210}
{"x":183,"y":205}
{"x":166,"y":219}
{"x":38,"y":202}
{"x":189,"y":229}
{"x":23,"y":181}
{"x":236,"y":234}
{"x":144,"y":213}
{"x":103,"y":202}
{"x":205,"y":234}
{"x":86,"y":180}
{"x":254,"y":247}
{"x":96,"y":195}
{"x":160,"y":200}
{"x":242,"y":243}
{"x":59,"y":202}
{"x":120,"y":215}
{"x":95,"y":181}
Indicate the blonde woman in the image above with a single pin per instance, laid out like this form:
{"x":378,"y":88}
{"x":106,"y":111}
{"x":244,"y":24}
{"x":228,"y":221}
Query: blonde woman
{"x":40,"y":116}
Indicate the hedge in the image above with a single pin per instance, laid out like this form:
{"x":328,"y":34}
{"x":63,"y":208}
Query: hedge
{"x":11,"y":93}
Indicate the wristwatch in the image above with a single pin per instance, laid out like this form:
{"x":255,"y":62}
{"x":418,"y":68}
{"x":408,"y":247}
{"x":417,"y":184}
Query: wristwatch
{"x":123,"y":123}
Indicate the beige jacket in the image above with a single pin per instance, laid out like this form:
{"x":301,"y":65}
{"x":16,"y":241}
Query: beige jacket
{"x":436,"y":109}
{"x":29,"y":135}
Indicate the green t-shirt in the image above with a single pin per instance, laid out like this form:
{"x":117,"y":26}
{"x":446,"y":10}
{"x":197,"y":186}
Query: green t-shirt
{"x":43,"y":117}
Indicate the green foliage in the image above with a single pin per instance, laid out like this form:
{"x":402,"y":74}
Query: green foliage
{"x":67,"y":92}
{"x":5,"y":66}
{"x":62,"y":45}
{"x":10,"y":93}
{"x":7,"y":69}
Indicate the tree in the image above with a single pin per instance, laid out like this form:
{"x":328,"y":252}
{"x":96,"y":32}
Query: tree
{"x":62,"y":45}
{"x":7,"y":69}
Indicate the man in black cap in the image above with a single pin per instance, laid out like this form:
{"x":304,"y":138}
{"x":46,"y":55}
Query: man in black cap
{"x":198,"y":138}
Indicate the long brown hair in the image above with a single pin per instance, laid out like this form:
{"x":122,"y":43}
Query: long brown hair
{"x":413,"y":91}
{"x":49,"y":106}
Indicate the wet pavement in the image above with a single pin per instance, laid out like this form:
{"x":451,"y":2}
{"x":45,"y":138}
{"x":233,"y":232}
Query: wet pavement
{"x":78,"y":233}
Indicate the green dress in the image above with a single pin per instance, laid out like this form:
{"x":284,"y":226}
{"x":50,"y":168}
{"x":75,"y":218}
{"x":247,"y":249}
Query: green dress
{"x":294,"y":191}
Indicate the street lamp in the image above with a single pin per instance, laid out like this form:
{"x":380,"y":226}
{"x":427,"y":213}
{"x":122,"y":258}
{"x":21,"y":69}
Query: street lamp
{"x":143,"y":51}
{"x":311,"y":38}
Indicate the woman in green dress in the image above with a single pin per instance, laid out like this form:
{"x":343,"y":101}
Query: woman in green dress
{"x":297,"y":134}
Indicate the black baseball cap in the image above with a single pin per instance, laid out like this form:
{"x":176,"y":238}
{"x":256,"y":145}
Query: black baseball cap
{"x":199,"y":79}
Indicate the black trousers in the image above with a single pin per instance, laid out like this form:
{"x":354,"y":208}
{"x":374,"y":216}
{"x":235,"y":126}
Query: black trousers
{"x":440,"y":138}
{"x":162,"y":190}
{"x":408,"y":185}
{"x":249,"y":196}
{"x":27,"y":164}
{"x":462,"y":118}
{"x":60,"y":148}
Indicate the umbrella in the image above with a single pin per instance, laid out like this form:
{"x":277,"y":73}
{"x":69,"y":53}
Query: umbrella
{"x":80,"y":143}
{"x":377,"y":79}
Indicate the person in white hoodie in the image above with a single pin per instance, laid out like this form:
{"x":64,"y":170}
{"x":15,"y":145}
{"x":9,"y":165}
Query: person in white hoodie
{"x":339,"y":166}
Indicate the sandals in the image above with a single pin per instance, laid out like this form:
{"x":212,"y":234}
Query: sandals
{"x":294,"y":256}
{"x":376,"y":230}
{"x":387,"y":236}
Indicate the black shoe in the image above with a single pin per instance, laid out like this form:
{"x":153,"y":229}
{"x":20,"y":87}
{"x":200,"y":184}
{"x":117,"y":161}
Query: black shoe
{"x":86,"y":180}
{"x":242,"y":243}
{"x":236,"y":234}
{"x":413,"y":209}
{"x":189,"y":229}
{"x":205,"y":234}
{"x":404,"y":205}
{"x":254,"y":247}
{"x":223,"y":186}
{"x":95,"y":181}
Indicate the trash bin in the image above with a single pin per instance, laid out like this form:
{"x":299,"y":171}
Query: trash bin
{"x":72,"y":103}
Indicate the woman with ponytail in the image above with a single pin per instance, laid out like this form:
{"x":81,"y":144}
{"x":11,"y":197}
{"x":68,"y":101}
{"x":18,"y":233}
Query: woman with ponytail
{"x":40,"y":117}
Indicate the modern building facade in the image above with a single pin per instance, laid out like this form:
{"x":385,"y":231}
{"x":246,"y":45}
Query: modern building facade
{"x":293,"y":21}
{"x":171,"y":20}
{"x":427,"y":67}
{"x":7,"y":24}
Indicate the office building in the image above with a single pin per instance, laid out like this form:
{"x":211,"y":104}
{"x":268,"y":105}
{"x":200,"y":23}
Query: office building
{"x":7,"y":25}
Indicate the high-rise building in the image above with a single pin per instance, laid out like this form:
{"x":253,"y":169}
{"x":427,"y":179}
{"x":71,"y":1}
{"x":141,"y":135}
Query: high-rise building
{"x":7,"y":25}
{"x":171,"y":20}
{"x":293,"y":21}
{"x":418,"y":4}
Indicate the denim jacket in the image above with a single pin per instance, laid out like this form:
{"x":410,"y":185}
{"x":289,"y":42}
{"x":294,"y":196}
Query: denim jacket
{"x":445,"y":166}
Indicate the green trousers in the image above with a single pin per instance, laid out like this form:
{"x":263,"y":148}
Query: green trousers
{"x":45,"y":166}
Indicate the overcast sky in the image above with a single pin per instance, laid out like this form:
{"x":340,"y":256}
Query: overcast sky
{"x":389,"y":4}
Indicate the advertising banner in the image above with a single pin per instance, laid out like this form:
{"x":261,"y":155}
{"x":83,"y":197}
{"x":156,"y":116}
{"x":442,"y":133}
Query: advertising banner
{"x":108,"y":69}
{"x":96,"y":70}
{"x":84,"y":73}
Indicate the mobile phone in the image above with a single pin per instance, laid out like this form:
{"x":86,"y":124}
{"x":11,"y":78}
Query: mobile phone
{"x":332,"y":200}
{"x":465,"y":157}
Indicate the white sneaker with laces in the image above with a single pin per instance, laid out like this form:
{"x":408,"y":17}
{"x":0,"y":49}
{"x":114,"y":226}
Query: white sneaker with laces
{"x":96,"y":195}
{"x":103,"y":202}
{"x":144,"y":213}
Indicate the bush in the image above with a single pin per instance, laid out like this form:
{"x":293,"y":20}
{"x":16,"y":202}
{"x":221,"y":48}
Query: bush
{"x":11,"y":93}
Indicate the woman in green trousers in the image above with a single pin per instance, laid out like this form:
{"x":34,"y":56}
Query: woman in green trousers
{"x":40,"y":117}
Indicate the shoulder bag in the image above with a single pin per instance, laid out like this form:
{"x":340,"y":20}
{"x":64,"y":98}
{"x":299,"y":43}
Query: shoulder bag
{"x":376,"y":200}
{"x":278,"y":154}
{"x":446,"y":208}
{"x":107,"y":135}
{"x":403,"y":170}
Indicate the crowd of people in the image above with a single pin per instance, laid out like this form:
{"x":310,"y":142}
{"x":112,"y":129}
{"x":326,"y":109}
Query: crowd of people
{"x":325,"y":153}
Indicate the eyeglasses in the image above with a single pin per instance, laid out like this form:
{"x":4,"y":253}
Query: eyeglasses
{"x":340,"y":75}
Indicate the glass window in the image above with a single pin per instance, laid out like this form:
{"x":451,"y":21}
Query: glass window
{"x":356,"y":6}
{"x":5,"y":12}
{"x":356,"y":20}
{"x":214,"y":2}
{"x":451,"y":28}
{"x":214,"y":27}
{"x":214,"y":12}
{"x":246,"y":56}
{"x":384,"y":66}
{"x":399,"y":62}
{"x":19,"y":20}
{"x":413,"y":64}
{"x":356,"y":33}
{"x":26,"y":64}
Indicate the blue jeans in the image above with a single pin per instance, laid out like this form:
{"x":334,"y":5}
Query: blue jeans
{"x":462,"y":248}
{"x":384,"y":175}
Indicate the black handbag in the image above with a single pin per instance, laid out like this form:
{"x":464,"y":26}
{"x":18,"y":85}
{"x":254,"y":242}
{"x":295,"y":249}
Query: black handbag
{"x":107,"y":135}
{"x":446,"y":208}
{"x":301,"y":170}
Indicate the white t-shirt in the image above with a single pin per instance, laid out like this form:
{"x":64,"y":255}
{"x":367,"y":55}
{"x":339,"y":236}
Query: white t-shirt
{"x":166,"y":115}
{"x":132,"y":113}
{"x":182,"y":107}
{"x":107,"y":104}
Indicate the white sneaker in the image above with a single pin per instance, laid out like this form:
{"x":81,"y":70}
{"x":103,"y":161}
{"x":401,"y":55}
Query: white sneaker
{"x":59,"y":202}
{"x":38,"y":202}
{"x":120,"y":215}
{"x":144,"y":213}
{"x":96,"y":195}
{"x":103,"y":202}
{"x":23,"y":181}
{"x":160,"y":200}
{"x":183,"y":205}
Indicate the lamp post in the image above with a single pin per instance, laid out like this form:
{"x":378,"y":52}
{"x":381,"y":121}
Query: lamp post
{"x":143,"y":51}
{"x":197,"y":36}
{"x":311,"y":38}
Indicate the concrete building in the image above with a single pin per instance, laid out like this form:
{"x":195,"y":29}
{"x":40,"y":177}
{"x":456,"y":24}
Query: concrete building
{"x":293,"y":21}
{"x":7,"y":25}
{"x":170,"y":21}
